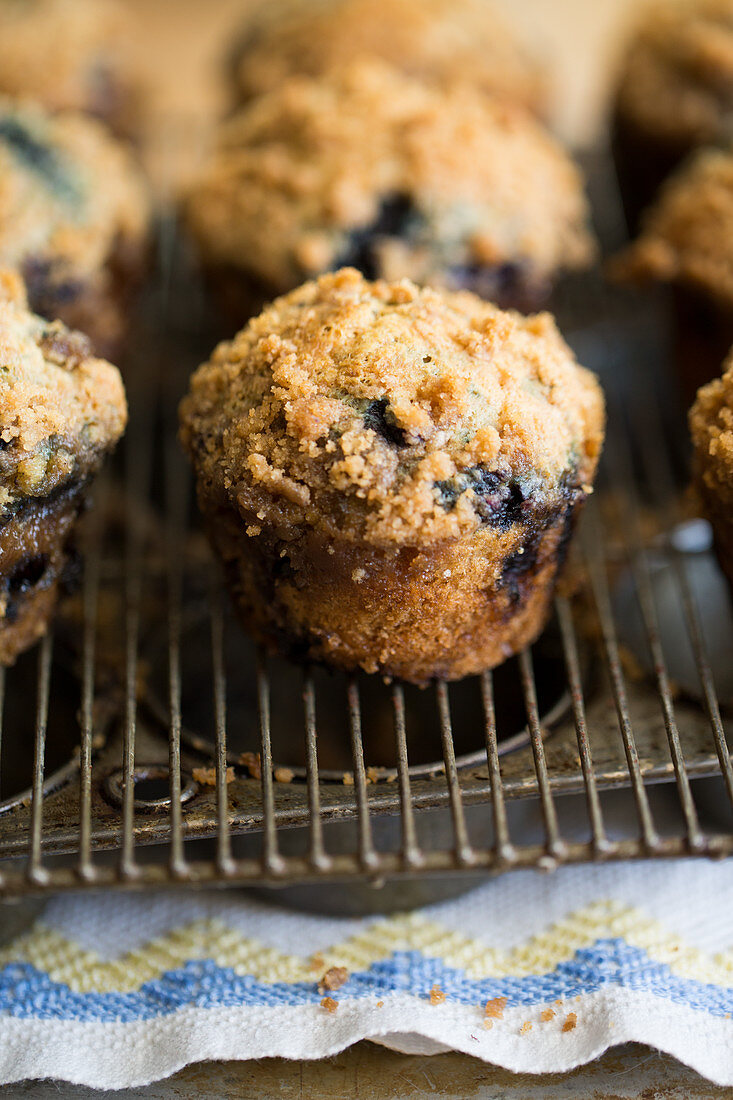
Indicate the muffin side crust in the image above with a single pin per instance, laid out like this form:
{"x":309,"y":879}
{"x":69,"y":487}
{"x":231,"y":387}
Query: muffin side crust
{"x":711,"y":427}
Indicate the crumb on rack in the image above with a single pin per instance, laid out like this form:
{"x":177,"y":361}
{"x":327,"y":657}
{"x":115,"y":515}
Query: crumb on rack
{"x":437,"y":996}
{"x":570,"y":1021}
{"x":333,"y":979}
{"x":494,"y":1009}
{"x":207,"y":776}
{"x":348,"y":779}
{"x":547,"y":1014}
{"x":372,"y":775}
{"x":284,"y":775}
{"x":251,"y":761}
{"x":329,"y":1004}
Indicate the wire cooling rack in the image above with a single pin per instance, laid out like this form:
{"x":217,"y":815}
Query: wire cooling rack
{"x":148,"y":742}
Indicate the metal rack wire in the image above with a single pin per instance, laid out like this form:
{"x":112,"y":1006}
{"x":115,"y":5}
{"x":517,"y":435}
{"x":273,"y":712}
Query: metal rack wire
{"x":145,"y":772}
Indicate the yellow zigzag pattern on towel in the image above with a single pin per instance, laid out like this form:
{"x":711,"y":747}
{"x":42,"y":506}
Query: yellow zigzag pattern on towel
{"x":84,"y":972}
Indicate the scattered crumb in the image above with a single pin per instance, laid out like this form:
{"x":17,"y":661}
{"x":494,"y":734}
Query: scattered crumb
{"x":348,"y":779}
{"x":207,"y":776}
{"x":494,"y":1009}
{"x":570,"y":1021}
{"x":333,"y":979}
{"x":251,"y":761}
{"x":372,"y":775}
{"x":547,"y":1014}
{"x":317,"y":961}
{"x":526,"y":1026}
{"x":329,"y":1004}
{"x":284,"y":775}
{"x":437,"y":996}
{"x":558,"y":1001}
{"x":488,"y":1024}
{"x":392,"y":777}
{"x":380,"y":1004}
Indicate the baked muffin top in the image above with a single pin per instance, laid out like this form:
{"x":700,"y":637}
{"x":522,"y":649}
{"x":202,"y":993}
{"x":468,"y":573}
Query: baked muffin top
{"x":677,"y":80}
{"x":386,"y":412}
{"x":61,"y":409}
{"x":687,"y":235}
{"x":70,"y":193}
{"x":305,"y":177}
{"x":66,"y":53}
{"x":436,"y":40}
{"x":711,"y":426}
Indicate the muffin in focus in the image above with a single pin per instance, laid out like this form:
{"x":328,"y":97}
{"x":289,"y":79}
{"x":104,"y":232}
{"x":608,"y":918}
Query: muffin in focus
{"x":435,"y":40}
{"x":686,"y":241}
{"x":675,"y":93}
{"x":70,"y":55}
{"x":391,"y":474}
{"x":74,"y":218}
{"x":371,"y":169}
{"x":61,"y":412}
{"x":711,"y":426}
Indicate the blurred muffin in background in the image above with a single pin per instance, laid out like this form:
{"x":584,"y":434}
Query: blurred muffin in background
{"x":436,"y":40}
{"x":74,"y":218}
{"x":61,"y":412}
{"x":675,"y":93}
{"x":711,"y":426}
{"x":391,"y":475}
{"x":70,"y":54}
{"x":370,"y":168}
{"x":686,"y":241}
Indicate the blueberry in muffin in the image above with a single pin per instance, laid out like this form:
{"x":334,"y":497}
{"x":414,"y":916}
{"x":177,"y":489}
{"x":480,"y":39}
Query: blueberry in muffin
{"x":61,"y":412}
{"x":435,"y":40}
{"x":675,"y":93}
{"x":686,"y":241}
{"x":391,"y":475}
{"x":70,"y":54}
{"x":74,"y":216}
{"x":711,"y":426}
{"x":370,"y":168}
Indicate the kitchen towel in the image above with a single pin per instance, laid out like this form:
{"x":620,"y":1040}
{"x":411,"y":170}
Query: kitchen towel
{"x":535,"y":972}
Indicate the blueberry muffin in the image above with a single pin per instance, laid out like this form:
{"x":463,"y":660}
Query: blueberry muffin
{"x":435,"y":40}
{"x":391,"y":474}
{"x":61,"y":412}
{"x":74,"y":214}
{"x":711,"y":425}
{"x":372,"y":169}
{"x":686,"y":241}
{"x":675,"y":93}
{"x":70,"y":54}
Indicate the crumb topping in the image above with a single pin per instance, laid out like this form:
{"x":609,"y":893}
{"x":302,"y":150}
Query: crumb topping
{"x":711,"y":425}
{"x":64,"y":53}
{"x":386,"y":412}
{"x":686,"y":235}
{"x":61,"y":409}
{"x":70,"y":193}
{"x":435,"y":40}
{"x":369,"y":167}
{"x":678,"y":74}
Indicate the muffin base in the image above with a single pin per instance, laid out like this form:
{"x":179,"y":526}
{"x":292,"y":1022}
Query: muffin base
{"x":444,"y":611}
{"x":642,"y":163}
{"x":98,"y":307}
{"x":36,"y":562}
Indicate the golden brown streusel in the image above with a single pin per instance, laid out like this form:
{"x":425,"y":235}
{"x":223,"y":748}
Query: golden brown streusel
{"x":687,"y":236}
{"x":390,"y":474}
{"x":61,"y":412}
{"x":678,"y":72}
{"x":70,"y":54}
{"x":371,"y":167}
{"x":711,"y":426}
{"x":435,"y":40}
{"x":74,"y":215}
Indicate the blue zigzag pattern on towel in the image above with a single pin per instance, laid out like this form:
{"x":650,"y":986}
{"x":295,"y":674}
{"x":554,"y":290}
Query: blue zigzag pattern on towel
{"x":26,"y":992}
